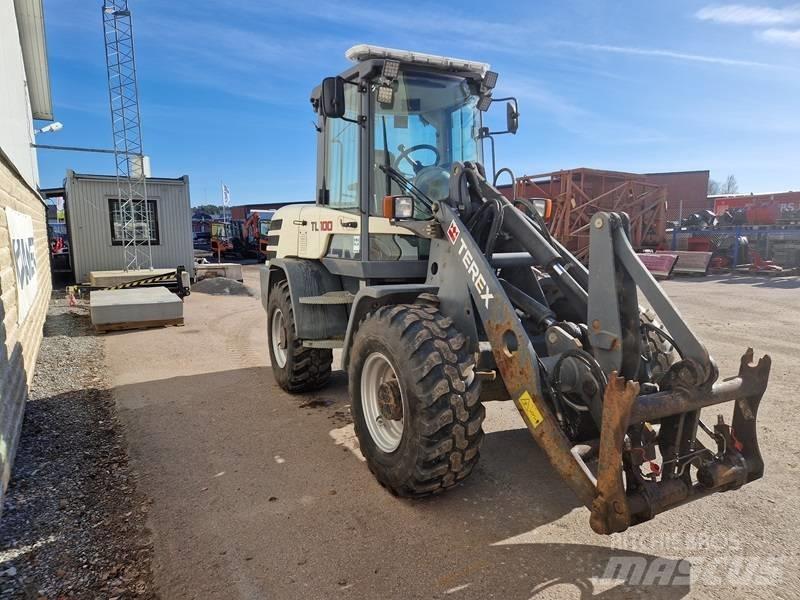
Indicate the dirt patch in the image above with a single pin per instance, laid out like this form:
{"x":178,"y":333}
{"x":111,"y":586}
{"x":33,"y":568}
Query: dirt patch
{"x":73,"y":523}
{"x":317,"y":403}
{"x":221,"y":286}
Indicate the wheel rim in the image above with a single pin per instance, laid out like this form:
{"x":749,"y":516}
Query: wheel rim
{"x":278,"y":338}
{"x":386,"y":433}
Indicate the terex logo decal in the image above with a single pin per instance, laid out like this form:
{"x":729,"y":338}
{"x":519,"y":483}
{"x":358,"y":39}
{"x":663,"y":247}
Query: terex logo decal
{"x":453,"y":232}
{"x":473,"y":270}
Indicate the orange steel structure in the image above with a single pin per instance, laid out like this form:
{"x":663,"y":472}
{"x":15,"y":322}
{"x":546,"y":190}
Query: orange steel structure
{"x":579,"y":193}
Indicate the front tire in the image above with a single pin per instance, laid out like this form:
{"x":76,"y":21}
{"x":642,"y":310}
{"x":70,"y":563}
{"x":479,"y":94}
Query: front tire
{"x":297,"y":369}
{"x":415,"y":400}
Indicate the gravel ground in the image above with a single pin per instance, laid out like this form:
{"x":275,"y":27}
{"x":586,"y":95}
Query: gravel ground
{"x":259,"y":494}
{"x":73,"y":523}
{"x":221,"y":286}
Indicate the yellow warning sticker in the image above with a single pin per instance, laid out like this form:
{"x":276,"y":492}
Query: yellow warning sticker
{"x":530,"y":409}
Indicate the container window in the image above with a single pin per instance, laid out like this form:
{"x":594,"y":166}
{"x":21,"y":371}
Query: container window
{"x":143,"y":226}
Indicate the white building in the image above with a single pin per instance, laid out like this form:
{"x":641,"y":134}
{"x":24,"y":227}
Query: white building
{"x":24,"y":253}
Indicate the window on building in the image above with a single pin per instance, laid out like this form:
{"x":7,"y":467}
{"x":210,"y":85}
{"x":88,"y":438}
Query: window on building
{"x":145,"y":224}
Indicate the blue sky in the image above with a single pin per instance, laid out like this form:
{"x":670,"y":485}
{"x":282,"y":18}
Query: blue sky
{"x":635,"y":86}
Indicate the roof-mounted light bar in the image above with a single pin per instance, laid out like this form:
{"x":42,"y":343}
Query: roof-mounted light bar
{"x":363,"y":52}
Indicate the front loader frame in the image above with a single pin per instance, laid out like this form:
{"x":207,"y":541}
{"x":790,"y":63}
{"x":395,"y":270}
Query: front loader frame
{"x":607,"y":295}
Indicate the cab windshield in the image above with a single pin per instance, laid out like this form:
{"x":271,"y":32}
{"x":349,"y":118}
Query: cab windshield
{"x":432,"y":122}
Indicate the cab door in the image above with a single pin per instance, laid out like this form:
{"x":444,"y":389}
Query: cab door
{"x":339,"y":177}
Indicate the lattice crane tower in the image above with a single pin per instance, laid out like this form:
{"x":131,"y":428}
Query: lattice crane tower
{"x":123,"y":96}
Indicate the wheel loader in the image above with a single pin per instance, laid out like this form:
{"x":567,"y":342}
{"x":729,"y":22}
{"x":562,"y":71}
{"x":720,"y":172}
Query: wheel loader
{"x":443,"y":294}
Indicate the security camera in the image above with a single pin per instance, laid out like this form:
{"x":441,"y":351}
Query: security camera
{"x":52,"y":127}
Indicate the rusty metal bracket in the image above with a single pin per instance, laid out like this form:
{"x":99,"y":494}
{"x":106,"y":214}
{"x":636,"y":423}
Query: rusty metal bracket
{"x":746,"y":389}
{"x":754,"y":381}
{"x":610,"y":511}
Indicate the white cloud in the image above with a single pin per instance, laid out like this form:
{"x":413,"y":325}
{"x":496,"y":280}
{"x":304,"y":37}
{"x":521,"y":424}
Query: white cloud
{"x":758,"y":16}
{"x":716,"y":60}
{"x":788,"y":37}
{"x":739,"y":14}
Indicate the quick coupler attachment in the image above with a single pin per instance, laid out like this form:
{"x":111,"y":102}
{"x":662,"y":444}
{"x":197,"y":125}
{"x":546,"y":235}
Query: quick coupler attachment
{"x":634,"y":428}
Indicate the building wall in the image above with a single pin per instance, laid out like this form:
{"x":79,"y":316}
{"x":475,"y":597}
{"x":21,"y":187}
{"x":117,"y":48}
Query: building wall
{"x":20,"y":341}
{"x":687,"y":192}
{"x":781,"y":200}
{"x":90,"y":230}
{"x":16,"y":129}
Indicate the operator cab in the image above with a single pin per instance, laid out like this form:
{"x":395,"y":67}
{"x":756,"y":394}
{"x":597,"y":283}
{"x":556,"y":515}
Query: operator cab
{"x":390,"y":130}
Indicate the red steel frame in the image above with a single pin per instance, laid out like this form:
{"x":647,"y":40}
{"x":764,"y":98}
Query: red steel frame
{"x":579,"y":193}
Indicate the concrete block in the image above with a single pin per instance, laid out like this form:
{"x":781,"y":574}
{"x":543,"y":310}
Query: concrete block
{"x":229,"y":270}
{"x":112,"y":278}
{"x":136,"y":307}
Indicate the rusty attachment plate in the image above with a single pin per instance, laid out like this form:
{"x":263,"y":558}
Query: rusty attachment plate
{"x":610,"y":511}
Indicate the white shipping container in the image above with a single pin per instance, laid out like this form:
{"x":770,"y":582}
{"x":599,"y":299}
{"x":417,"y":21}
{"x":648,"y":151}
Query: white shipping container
{"x":95,"y":228}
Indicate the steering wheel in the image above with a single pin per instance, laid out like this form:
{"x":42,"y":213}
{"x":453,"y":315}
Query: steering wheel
{"x":415,"y":164}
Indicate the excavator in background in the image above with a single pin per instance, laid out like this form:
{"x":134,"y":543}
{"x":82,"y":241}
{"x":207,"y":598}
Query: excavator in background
{"x":222,"y":236}
{"x":255,"y":234}
{"x":242,"y":239}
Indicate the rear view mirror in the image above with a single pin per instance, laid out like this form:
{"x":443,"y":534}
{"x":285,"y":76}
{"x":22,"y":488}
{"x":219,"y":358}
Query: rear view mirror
{"x":512,"y":118}
{"x":332,"y":98}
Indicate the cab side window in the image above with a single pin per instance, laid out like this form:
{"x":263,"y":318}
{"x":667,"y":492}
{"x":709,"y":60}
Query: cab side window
{"x":341,"y":155}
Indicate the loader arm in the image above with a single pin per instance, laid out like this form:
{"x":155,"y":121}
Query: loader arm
{"x":629,"y":406}
{"x":512,"y":350}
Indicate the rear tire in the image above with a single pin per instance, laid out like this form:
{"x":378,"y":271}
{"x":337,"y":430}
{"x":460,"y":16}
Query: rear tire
{"x":297,"y":369}
{"x":440,"y":430}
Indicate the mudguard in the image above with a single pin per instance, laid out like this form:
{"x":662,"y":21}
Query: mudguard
{"x":307,"y":278}
{"x":371,"y":297}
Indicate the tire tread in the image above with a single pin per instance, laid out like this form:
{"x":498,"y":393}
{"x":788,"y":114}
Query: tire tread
{"x":450,"y":428}
{"x":308,"y":368}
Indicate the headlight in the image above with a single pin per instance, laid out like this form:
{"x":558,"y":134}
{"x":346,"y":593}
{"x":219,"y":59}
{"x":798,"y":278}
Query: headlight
{"x":398,"y":207}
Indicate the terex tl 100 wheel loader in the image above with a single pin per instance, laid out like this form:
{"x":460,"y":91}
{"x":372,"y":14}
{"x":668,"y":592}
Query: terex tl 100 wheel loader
{"x":443,"y":294}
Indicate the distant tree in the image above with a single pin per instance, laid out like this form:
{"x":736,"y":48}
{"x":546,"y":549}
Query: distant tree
{"x":730,"y":186}
{"x":211,"y":209}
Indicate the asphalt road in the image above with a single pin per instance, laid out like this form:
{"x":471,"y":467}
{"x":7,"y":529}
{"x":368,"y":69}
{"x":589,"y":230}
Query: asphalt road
{"x":258,"y":494}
